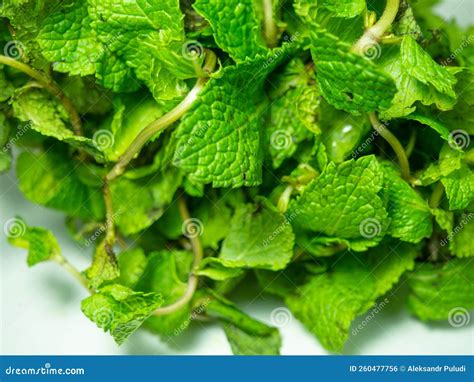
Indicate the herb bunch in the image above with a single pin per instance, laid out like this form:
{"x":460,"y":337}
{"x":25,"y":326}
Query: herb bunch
{"x":317,"y":151}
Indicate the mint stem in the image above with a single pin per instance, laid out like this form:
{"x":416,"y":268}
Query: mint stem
{"x":270,"y":29}
{"x":74,"y":272}
{"x":165,"y":121}
{"x":193,"y":279}
{"x":51,"y":87}
{"x":373,"y":35}
{"x":437,"y":195}
{"x":395,"y":143}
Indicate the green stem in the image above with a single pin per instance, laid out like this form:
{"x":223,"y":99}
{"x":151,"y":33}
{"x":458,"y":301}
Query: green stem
{"x":50,"y":86}
{"x":394,"y":143}
{"x":411,"y":143}
{"x":162,"y":123}
{"x":284,"y":199}
{"x":270,"y":29}
{"x":74,"y":272}
{"x":193,"y":279}
{"x":373,"y":35}
{"x":437,"y":195}
{"x":109,"y":214}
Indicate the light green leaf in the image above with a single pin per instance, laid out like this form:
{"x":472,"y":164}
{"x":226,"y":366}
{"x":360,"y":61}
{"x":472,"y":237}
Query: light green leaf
{"x":246,"y":335}
{"x":410,"y":216}
{"x":348,"y":81}
{"x":418,"y":78}
{"x":459,"y":186}
{"x":119,"y":310}
{"x":46,"y":115}
{"x":329,"y":302}
{"x":161,"y":276}
{"x":40,"y":243}
{"x":213,"y":268}
{"x":344,"y":202}
{"x":228,"y":113}
{"x":149,"y":38}
{"x":440,"y":291}
{"x":104,"y":265}
{"x":139,"y":203}
{"x":235,"y":25}
{"x":462,"y":236}
{"x":131,"y":263}
{"x":259,"y":237}
{"x":52,"y":181}
{"x":67,"y":39}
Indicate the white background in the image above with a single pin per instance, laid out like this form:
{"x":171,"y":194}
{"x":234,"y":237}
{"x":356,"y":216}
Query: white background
{"x":40,"y":306}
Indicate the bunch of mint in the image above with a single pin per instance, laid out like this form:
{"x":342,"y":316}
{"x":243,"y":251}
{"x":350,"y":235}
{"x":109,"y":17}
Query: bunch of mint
{"x":317,"y":151}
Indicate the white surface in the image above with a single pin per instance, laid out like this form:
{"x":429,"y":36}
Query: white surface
{"x":40,"y":311}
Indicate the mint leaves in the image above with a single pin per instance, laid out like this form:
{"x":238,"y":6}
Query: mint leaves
{"x":320,"y":151}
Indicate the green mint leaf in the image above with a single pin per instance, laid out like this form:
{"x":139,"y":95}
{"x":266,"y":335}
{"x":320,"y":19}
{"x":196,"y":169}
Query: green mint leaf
{"x":293,"y":113}
{"x":138,"y":203}
{"x":161,"y":276}
{"x":213,"y":268}
{"x":461,"y":236}
{"x":149,"y":38}
{"x":50,"y":180}
{"x":410,"y":216}
{"x":215,"y":216}
{"x":418,"y":78}
{"x":67,"y":39}
{"x":356,"y":212}
{"x":459,"y":186}
{"x":235,"y":25}
{"x":46,"y":115}
{"x":342,"y":132}
{"x":445,"y":219}
{"x":40,"y":243}
{"x":119,"y":310}
{"x":461,"y":117}
{"x":104,"y":265}
{"x":329,"y":302}
{"x":441,"y":291}
{"x":348,"y":81}
{"x":246,"y":335}
{"x":345,"y":8}
{"x":259,"y":237}
{"x":131,"y":263}
{"x":228,"y":113}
